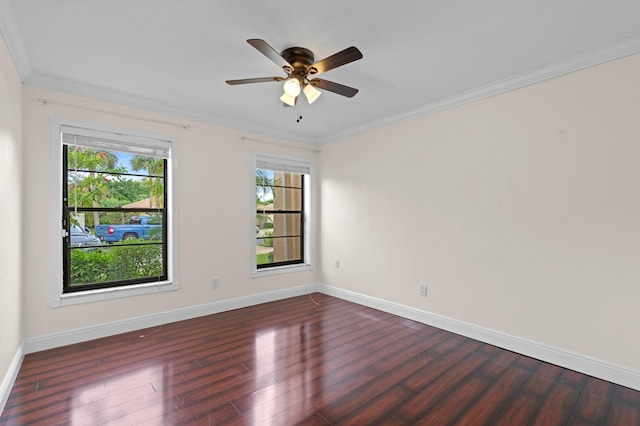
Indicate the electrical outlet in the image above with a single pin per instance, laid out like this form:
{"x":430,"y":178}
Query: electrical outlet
{"x":215,"y":283}
{"x":423,"y":289}
{"x":337,"y":264}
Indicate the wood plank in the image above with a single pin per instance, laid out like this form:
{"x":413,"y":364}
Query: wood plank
{"x":557,"y":406}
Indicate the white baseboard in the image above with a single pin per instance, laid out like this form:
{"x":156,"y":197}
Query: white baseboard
{"x":49,"y":341}
{"x":10,"y":377}
{"x":558,"y":356}
{"x":591,"y":366}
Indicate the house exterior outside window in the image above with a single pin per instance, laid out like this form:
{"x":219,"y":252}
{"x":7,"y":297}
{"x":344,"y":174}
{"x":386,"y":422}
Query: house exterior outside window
{"x":282,"y":212}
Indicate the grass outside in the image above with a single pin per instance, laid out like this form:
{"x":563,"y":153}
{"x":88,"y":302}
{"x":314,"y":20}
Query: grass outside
{"x":264,"y":258}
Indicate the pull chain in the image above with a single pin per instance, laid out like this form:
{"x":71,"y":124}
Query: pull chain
{"x":299,"y":115}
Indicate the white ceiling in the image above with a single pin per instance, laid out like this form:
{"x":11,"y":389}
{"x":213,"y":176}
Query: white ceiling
{"x":419,"y":55}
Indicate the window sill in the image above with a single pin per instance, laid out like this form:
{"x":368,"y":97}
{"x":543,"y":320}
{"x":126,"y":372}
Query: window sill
{"x":276,"y":270}
{"x":111,"y":293}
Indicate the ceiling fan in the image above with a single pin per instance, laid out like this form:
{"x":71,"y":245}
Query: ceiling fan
{"x":298,"y":63}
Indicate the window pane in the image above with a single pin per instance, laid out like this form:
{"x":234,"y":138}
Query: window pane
{"x":287,"y":198}
{"x":264,"y":254}
{"x":122,"y":246}
{"x":108,"y":190}
{"x":88,"y":159}
{"x":275,"y":250}
{"x":292,"y":180}
{"x":118,"y":262}
{"x":115,"y":226}
{"x":266,"y":177}
{"x":279,"y":224}
{"x":268,"y":181}
{"x":102,"y":178}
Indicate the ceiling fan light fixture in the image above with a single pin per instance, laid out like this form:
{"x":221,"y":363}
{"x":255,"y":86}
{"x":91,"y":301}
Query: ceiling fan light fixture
{"x":311,"y":93}
{"x":299,"y":63}
{"x":289,"y":100}
{"x":292,"y":87}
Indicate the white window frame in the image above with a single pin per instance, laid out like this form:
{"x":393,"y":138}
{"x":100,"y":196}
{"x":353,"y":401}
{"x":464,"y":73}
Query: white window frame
{"x":58,"y":298}
{"x":285,"y":163}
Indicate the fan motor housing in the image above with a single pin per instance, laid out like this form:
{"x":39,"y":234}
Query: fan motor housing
{"x":299,"y":57}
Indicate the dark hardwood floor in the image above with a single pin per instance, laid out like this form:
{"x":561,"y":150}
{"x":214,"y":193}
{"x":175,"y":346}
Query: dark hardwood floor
{"x":295,"y":362}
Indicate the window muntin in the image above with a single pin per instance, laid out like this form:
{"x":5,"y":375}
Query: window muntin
{"x":114,"y":187}
{"x":280,"y":218}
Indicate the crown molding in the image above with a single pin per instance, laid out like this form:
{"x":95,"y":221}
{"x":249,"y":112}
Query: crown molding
{"x":13,"y":39}
{"x":610,"y":52}
{"x":107,"y":95}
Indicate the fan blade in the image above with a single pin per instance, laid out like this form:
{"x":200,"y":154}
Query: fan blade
{"x":336,"y":60}
{"x":268,"y":51}
{"x":331,"y":86}
{"x":254,"y":80}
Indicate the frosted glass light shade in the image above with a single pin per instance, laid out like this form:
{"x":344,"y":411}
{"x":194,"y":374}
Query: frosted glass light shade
{"x":311,"y":93}
{"x":289,"y":100}
{"x":292,"y":87}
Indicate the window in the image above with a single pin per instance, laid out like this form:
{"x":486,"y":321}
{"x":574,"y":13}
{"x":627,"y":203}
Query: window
{"x":116,"y":216}
{"x":282,"y":199}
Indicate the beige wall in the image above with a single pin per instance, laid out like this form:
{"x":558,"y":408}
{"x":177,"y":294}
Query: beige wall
{"x":10,"y":209}
{"x":216,"y":225}
{"x":521,"y":212}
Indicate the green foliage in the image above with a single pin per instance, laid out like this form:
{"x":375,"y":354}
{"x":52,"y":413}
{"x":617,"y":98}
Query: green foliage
{"x":117,"y":218}
{"x":89,"y":266}
{"x":121,"y":261}
{"x":263,"y":181}
{"x":89,"y":159}
{"x":88,"y":176}
{"x":124,"y":191}
{"x":267,"y":225}
{"x":131,"y":260}
{"x":264,"y":186}
{"x":268,"y":242}
{"x":154,"y":167}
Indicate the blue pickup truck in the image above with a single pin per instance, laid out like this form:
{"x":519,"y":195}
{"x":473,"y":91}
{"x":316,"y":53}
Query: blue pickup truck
{"x":146,"y":227}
